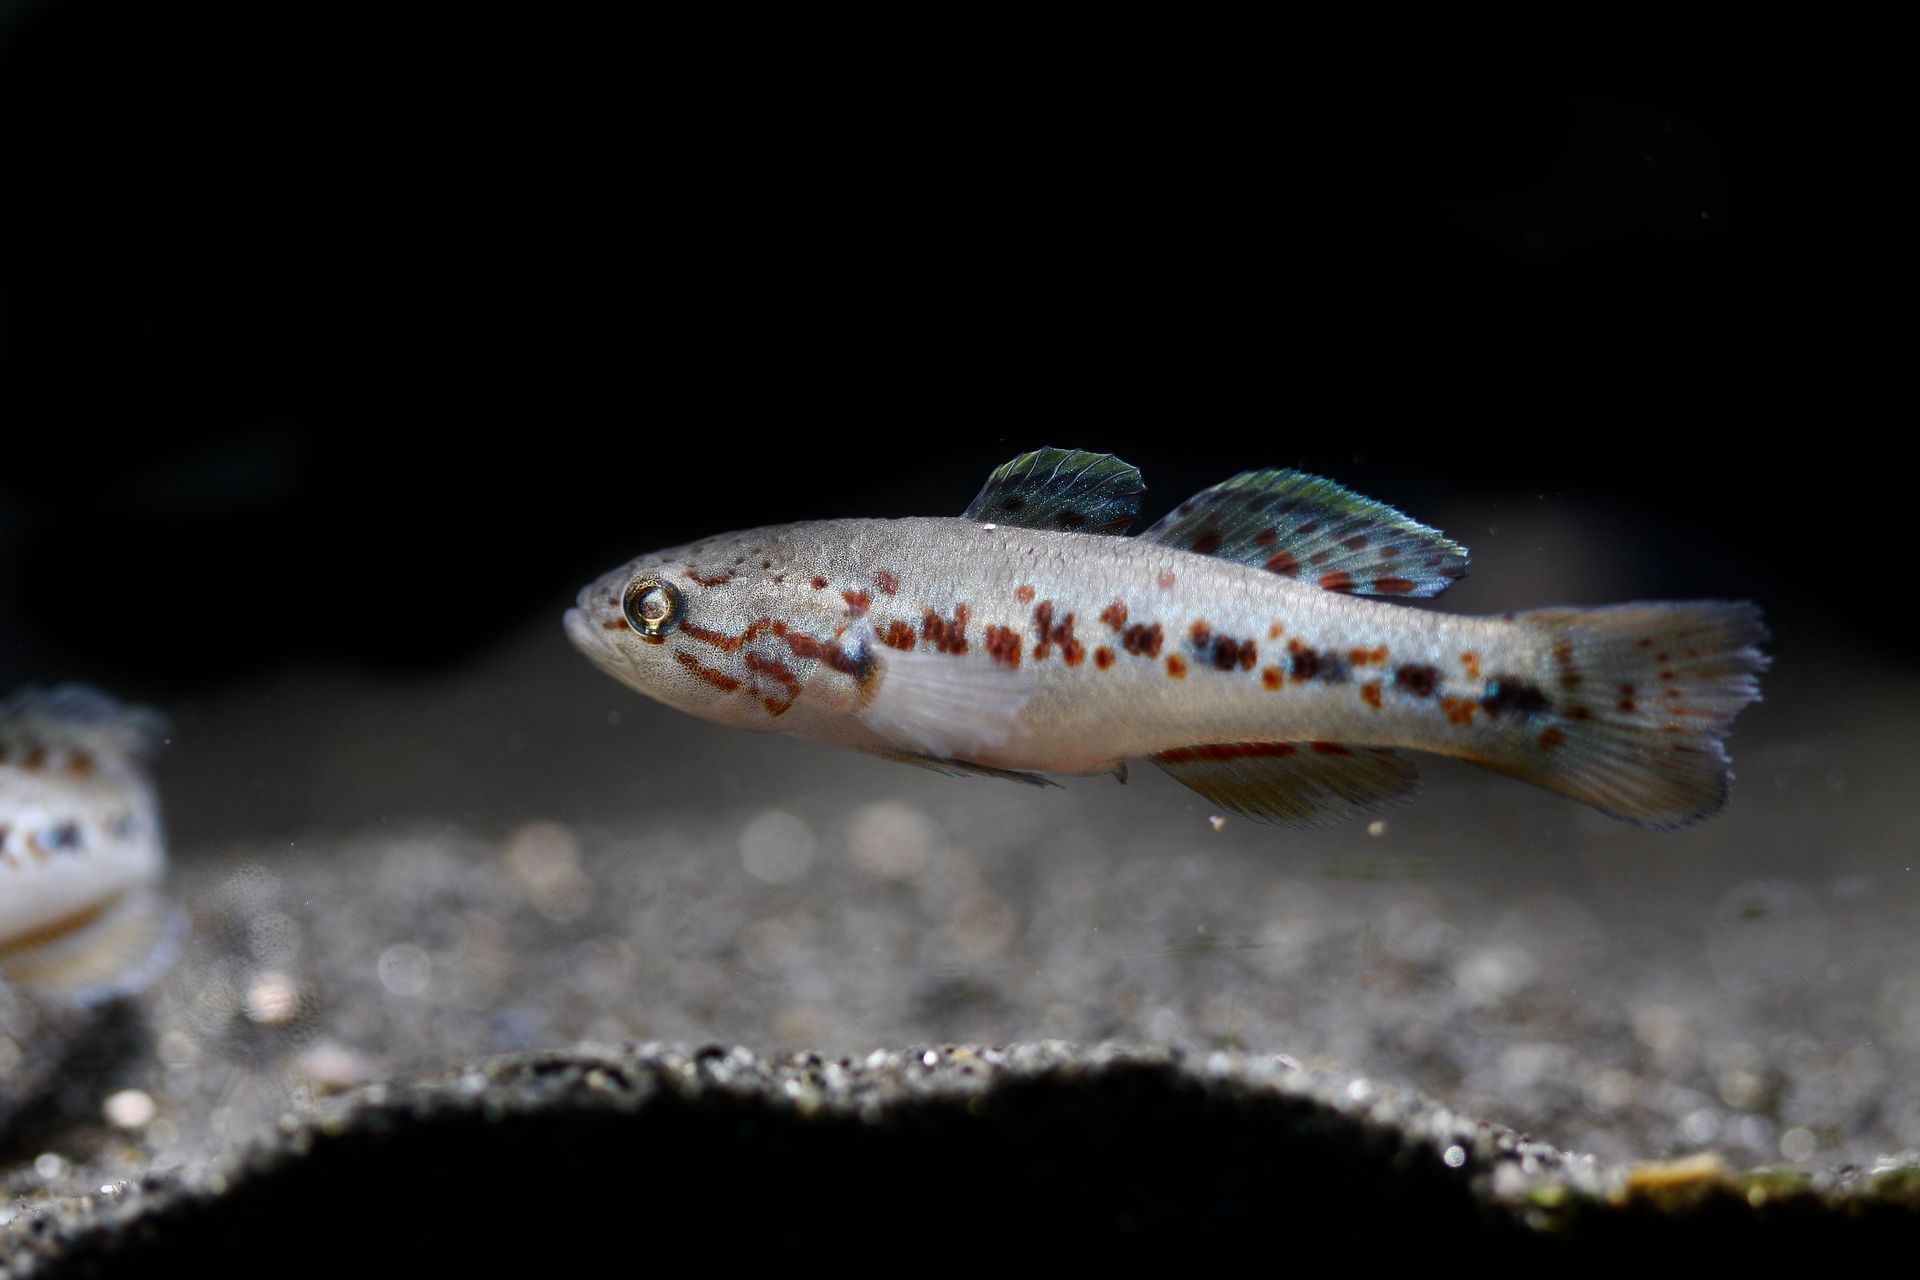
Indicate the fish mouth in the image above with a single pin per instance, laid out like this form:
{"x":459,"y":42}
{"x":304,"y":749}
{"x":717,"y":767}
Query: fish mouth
{"x":585,"y":637}
{"x":590,"y":638}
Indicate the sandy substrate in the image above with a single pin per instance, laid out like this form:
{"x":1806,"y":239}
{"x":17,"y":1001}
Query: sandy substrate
{"x":388,"y":880}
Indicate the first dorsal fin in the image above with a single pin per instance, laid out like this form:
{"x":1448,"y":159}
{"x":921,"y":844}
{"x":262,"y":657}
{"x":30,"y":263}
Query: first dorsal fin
{"x":1069,"y":490}
{"x":1306,"y":527}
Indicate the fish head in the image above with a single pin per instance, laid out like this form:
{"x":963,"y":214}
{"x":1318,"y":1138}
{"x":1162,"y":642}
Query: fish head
{"x":727,"y":629}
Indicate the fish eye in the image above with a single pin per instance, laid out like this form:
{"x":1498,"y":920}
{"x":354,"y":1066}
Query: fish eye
{"x":652,"y":606}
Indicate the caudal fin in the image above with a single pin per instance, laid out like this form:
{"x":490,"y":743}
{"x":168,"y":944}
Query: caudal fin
{"x":1644,"y":697}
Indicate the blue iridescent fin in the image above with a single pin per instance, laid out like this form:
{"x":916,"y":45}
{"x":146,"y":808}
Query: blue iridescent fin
{"x":1306,"y":527}
{"x":76,"y":715}
{"x":1068,"y":490}
{"x":1294,"y":784}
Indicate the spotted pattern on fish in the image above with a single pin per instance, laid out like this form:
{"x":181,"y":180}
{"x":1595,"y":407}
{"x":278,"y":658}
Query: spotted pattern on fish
{"x":1241,"y":618}
{"x":81,"y":848}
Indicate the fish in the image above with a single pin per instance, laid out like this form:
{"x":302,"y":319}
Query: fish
{"x":1253,"y":644}
{"x":82,"y":849}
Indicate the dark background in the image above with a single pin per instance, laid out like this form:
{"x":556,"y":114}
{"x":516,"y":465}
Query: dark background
{"x":369,"y":339}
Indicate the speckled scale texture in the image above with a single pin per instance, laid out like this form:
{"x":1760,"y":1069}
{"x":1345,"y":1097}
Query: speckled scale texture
{"x":1233,"y":624}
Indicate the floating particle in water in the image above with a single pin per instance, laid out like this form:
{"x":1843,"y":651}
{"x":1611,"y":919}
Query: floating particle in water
{"x":776,"y":847}
{"x":129,"y":1109}
{"x":1378,"y":827}
{"x":272,"y":998}
{"x":405,"y":969}
{"x":545,"y":858}
{"x":891,"y":840}
{"x":1219,"y":823}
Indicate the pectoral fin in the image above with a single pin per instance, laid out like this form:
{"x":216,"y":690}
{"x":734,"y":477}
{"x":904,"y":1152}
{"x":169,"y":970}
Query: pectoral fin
{"x":945,"y":706}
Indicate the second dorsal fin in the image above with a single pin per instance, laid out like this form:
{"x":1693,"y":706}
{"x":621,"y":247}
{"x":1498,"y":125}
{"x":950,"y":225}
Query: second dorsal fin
{"x":1069,"y":490}
{"x":1306,"y":527}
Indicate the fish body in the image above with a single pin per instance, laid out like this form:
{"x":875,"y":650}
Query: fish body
{"x":81,"y":846}
{"x":1248,"y":644}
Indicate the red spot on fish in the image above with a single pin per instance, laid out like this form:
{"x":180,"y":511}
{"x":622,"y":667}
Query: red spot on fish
{"x":805,"y":646}
{"x":887,"y":583}
{"x":1392,"y":586}
{"x":1331,"y":748}
{"x":1176,"y":666}
{"x":775,"y":707}
{"x":775,"y":670}
{"x":899,"y":635}
{"x":1023,"y":593}
{"x":857,"y":602}
{"x":718,"y":679}
{"x":715,"y":581}
{"x":1265,"y":538}
{"x":1115,"y":615}
{"x":819,"y":583}
{"x":1308,"y":529}
{"x":1355,"y":543}
{"x":947,"y":637}
{"x":1273,"y":679}
{"x":1142,"y":638}
{"x":1459,"y":710}
{"x":1551,"y":738}
{"x":1370,"y":694}
{"x":1284,"y":564}
{"x":1003,"y":646}
{"x":1103,"y":657}
{"x":1200,"y":633}
{"x":1048,"y":633}
{"x":1208,"y":542}
{"x":80,"y":763}
{"x":1471,"y":661}
{"x":615,"y":624}
{"x":1337,"y":581}
{"x":1167,"y":580}
{"x":1361,"y":657}
{"x":1275,"y":631}
{"x":1418,"y":679}
{"x":35,"y":757}
{"x":1627,"y":702}
{"x":720,"y":640}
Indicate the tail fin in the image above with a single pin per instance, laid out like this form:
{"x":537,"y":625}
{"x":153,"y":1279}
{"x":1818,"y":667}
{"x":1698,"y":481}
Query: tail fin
{"x":1646,"y":693}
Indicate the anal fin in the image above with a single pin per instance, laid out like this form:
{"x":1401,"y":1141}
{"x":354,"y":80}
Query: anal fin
{"x":1294,"y":784}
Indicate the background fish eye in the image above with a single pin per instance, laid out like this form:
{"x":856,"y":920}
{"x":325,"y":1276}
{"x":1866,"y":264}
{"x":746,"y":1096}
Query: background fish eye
{"x":652,"y":606}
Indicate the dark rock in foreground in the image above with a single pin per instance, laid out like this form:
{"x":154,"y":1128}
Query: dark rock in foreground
{"x":623,"y":1159}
